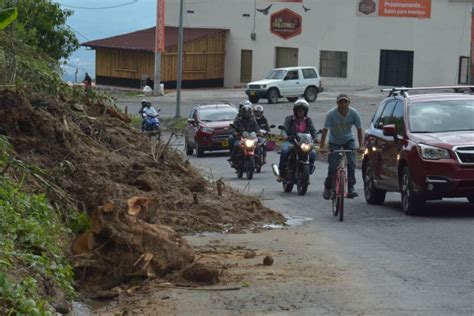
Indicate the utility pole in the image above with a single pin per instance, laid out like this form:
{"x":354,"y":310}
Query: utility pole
{"x":180,"y":60}
{"x":159,"y":43}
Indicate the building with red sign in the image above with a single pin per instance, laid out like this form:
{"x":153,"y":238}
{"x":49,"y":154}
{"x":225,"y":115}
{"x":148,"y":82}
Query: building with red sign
{"x":351,"y":42}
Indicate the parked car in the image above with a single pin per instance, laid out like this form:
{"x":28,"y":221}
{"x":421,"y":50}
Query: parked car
{"x":208,"y":128}
{"x":421,"y":146}
{"x":290,"y":83}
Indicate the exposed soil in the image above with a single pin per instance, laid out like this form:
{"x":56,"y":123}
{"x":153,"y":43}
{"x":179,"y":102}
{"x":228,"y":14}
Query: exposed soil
{"x":132,"y":187}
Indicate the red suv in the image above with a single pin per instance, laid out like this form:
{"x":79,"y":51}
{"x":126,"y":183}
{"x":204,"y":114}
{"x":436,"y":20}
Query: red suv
{"x":208,"y":128}
{"x":421,"y":146}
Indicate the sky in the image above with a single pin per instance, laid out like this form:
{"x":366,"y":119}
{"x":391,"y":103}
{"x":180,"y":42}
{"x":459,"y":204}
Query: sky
{"x":95,"y":19}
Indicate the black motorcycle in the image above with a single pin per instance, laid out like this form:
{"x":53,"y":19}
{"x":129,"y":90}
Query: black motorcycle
{"x":244,"y":159}
{"x":298,"y":168}
{"x":260,"y":150}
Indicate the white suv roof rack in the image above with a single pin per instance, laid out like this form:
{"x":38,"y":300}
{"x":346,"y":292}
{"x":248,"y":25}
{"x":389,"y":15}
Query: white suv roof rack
{"x":403,"y":90}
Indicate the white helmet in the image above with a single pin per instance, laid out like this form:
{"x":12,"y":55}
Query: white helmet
{"x":258,"y":110}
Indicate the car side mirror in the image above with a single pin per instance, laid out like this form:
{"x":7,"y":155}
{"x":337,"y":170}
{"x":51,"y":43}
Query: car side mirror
{"x":390,"y":130}
{"x":286,"y":78}
{"x":191,"y":121}
{"x":272,"y":126}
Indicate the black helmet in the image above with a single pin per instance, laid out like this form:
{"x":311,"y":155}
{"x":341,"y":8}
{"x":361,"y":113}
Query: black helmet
{"x":258,"y":111}
{"x":301,"y":103}
{"x":244,"y":102}
{"x":246,"y":111}
{"x":146,"y":102}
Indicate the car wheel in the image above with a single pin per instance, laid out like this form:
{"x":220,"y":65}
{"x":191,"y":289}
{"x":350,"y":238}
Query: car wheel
{"x":254,"y":100}
{"x":189,"y":150}
{"x":272,"y":96}
{"x":411,"y":204}
{"x":292,"y":99}
{"x":311,"y":94}
{"x":199,"y":150}
{"x":372,"y":194}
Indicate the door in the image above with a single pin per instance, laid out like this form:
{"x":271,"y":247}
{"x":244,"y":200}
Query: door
{"x":394,"y":146}
{"x":396,"y":68}
{"x":286,"y":57}
{"x":192,"y":127}
{"x":245,"y":65}
{"x":291,"y":83}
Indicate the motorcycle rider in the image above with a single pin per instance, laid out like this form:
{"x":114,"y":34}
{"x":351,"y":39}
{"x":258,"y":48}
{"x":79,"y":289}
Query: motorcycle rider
{"x":245,"y":122}
{"x":232,"y":136}
{"x":299,"y":122}
{"x":147,"y":111}
{"x":263,"y":123}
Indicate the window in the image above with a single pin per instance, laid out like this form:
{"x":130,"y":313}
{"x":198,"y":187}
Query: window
{"x":463,"y":77}
{"x":292,"y":75}
{"x":387,"y":114}
{"x":333,"y":64}
{"x":309,"y":73}
{"x":397,"y":117}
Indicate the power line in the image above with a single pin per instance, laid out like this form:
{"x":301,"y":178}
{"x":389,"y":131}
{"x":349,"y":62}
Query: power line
{"x":99,"y":8}
{"x":79,"y":33}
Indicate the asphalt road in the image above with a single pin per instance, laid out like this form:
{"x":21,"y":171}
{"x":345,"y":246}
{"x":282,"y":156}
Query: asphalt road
{"x":421,"y":265}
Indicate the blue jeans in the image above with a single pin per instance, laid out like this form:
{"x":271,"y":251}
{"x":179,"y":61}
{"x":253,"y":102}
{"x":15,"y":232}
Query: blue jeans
{"x":285,"y":154}
{"x":333,"y":160}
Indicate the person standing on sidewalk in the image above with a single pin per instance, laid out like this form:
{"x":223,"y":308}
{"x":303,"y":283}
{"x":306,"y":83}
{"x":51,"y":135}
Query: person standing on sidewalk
{"x":339,"y":122}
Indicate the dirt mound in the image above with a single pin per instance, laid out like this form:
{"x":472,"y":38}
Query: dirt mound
{"x":90,"y":152}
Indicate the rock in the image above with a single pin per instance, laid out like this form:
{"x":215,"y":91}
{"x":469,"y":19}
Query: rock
{"x":78,"y":107}
{"x":198,"y":272}
{"x":268,"y":260}
{"x":249,"y":254}
{"x":62,"y":307}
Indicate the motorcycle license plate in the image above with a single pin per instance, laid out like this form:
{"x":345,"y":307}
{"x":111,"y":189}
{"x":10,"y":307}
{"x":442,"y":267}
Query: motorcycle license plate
{"x":225,"y":143}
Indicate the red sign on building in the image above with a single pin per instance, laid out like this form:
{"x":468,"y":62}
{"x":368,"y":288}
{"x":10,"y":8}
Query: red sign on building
{"x":286,"y":23}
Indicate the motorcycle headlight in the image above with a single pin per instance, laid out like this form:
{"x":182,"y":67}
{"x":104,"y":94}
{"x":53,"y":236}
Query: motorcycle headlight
{"x":249,"y":143}
{"x":305,"y":147}
{"x":207,"y":130}
{"x":433,"y":153}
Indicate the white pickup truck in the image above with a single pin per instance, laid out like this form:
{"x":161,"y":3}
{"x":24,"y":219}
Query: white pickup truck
{"x":289,"y":82}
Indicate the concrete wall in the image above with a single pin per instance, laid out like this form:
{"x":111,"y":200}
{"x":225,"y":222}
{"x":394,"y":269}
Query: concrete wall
{"x":437,"y":42}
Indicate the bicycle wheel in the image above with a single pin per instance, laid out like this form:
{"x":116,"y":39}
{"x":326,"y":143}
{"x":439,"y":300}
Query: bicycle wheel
{"x":340,"y":196}
{"x":335,"y":201}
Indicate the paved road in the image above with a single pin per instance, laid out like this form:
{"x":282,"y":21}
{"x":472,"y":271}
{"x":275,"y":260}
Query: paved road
{"x":419,"y":265}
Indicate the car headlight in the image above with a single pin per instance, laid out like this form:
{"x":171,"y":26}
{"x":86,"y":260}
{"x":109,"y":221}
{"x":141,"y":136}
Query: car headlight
{"x":433,"y":153}
{"x":263,"y":86}
{"x":207,"y":130}
{"x":249,"y":143}
{"x":305,"y":147}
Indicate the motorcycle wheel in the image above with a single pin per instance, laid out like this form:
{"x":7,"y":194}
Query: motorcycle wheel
{"x":287,"y":186}
{"x":250,"y":167}
{"x":240,"y":169}
{"x":302,"y":181}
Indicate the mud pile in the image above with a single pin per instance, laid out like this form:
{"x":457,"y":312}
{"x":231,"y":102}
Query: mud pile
{"x":101,"y":163}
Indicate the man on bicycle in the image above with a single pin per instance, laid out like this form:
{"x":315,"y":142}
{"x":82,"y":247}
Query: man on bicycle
{"x":339,"y":121}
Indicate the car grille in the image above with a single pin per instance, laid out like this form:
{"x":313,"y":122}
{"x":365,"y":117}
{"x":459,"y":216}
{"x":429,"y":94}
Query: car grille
{"x":465,"y":154}
{"x":221,"y":136}
{"x":254,"y":86}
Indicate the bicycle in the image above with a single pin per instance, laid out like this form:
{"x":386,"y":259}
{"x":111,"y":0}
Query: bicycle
{"x":340,"y":183}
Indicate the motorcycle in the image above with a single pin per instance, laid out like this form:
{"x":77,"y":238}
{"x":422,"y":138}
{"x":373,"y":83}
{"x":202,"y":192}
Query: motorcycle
{"x":151,"y":124}
{"x":298,"y":168}
{"x":260,"y":150}
{"x":244,"y":160}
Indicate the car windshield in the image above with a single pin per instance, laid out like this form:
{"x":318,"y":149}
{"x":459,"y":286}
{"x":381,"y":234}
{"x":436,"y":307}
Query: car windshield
{"x":276,"y":74}
{"x":441,"y":116}
{"x":218,"y":114}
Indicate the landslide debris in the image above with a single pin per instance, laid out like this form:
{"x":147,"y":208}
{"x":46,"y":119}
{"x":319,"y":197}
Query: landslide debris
{"x":140,"y":194}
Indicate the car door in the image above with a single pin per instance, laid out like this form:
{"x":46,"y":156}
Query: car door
{"x":393,"y":146}
{"x":291,"y":81}
{"x":191,"y":127}
{"x":309,"y":78}
{"x":372,"y":135}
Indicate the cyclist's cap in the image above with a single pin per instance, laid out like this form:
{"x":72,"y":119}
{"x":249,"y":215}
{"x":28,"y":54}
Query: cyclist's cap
{"x":343,"y":96}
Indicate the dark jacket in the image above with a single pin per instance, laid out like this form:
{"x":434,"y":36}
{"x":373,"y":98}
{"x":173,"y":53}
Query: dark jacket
{"x":246,"y":125}
{"x":262,"y":121}
{"x":291,"y":126}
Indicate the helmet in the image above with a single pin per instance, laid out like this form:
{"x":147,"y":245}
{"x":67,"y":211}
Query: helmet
{"x":244,"y":102}
{"x":246,"y":111}
{"x":301,"y":103}
{"x":146,"y":102}
{"x":258,"y":111}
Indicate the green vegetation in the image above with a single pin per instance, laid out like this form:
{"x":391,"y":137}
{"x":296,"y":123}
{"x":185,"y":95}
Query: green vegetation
{"x":31,"y":251}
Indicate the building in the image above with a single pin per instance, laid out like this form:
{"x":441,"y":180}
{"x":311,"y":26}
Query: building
{"x":129,"y":60}
{"x":351,"y":42}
